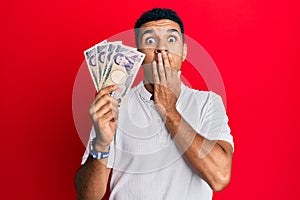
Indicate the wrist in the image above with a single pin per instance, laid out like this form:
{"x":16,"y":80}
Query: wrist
{"x":171,"y":111}
{"x":99,"y":153}
{"x":98,"y":146}
{"x":173,"y":121}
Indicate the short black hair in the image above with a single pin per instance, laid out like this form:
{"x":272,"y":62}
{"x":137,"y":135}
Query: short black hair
{"x":157,"y":14}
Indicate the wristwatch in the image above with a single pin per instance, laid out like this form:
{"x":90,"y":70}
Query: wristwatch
{"x":98,"y":155}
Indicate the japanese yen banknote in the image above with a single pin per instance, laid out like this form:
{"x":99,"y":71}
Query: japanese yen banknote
{"x":112,"y":63}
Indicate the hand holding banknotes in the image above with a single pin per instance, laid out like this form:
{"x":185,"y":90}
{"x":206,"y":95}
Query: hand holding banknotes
{"x":104,"y":114}
{"x":113,"y":68}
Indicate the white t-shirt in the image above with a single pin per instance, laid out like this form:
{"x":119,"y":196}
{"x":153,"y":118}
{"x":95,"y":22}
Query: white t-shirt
{"x":145,"y":160}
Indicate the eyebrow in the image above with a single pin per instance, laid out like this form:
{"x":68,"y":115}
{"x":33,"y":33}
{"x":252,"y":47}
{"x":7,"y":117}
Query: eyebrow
{"x":150,"y":31}
{"x":173,"y":30}
{"x":146,"y":32}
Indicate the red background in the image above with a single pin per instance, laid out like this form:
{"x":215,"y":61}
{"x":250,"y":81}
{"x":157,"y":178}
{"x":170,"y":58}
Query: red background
{"x":255,"y":45}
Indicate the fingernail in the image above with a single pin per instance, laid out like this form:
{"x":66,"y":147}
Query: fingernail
{"x":159,"y":55}
{"x":179,"y":73}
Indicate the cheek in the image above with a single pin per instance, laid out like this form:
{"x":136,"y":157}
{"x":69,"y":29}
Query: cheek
{"x":148,"y":74}
{"x":149,"y":55}
{"x":178,"y":61}
{"x":147,"y":69}
{"x":176,"y":50}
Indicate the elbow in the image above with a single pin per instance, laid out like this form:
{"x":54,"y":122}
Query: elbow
{"x":76,"y":180}
{"x":220,"y":182}
{"x":78,"y":187}
{"x":80,"y":190}
{"x":85,"y":191}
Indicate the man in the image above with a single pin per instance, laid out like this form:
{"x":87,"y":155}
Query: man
{"x":167,"y":141}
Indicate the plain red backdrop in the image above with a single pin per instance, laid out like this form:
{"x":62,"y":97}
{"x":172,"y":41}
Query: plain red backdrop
{"x":255,"y":45}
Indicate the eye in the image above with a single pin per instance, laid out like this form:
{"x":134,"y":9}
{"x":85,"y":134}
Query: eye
{"x":150,"y":40}
{"x":171,"y":39}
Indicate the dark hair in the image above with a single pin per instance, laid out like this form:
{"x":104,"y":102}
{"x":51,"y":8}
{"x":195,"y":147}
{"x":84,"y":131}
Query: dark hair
{"x":157,"y":14}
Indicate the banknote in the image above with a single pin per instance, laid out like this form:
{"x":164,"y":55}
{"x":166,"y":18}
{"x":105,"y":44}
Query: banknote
{"x":100,"y":55}
{"x":111,"y":63}
{"x":111,"y":46}
{"x":90,"y":57}
{"x":122,"y":69}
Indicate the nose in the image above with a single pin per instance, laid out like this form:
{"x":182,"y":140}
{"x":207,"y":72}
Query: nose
{"x":161,"y":46}
{"x":159,"y":50}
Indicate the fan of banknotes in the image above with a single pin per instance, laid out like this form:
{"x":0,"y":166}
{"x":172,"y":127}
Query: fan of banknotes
{"x":112,"y":63}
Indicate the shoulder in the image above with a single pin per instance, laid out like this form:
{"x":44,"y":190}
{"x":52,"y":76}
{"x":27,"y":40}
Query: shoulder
{"x":190,"y":94}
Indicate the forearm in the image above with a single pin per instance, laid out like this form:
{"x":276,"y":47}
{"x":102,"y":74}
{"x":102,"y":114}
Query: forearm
{"x":208,"y":158}
{"x":91,"y":179}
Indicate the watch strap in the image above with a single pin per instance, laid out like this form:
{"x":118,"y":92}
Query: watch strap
{"x":99,"y":155}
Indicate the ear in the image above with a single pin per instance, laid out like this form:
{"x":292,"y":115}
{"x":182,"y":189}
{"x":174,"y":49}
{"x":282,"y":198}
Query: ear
{"x":184,"y":53}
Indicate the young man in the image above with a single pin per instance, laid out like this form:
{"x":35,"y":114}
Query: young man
{"x":167,"y":141}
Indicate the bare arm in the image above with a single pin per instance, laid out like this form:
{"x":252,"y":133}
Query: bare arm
{"x":91,"y":178}
{"x":210,"y":159}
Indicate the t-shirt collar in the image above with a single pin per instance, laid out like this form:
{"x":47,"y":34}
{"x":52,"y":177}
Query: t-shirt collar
{"x":146,"y":95}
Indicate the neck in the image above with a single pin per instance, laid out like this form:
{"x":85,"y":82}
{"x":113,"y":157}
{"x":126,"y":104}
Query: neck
{"x":148,"y":86}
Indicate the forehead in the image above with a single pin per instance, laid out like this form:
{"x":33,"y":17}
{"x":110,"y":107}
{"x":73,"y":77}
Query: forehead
{"x":163,"y":24}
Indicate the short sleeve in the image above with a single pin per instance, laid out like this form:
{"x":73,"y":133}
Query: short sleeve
{"x":215,"y":121}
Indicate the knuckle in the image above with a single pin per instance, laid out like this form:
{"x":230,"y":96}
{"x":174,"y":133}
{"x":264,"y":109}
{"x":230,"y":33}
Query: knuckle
{"x":111,"y":114}
{"x":106,"y":98}
{"x":115,"y":109}
{"x":116,"y":117}
{"x":95,"y":117}
{"x":102,"y":91}
{"x":107,"y":106}
{"x":110,"y":101}
{"x":92,"y":109}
